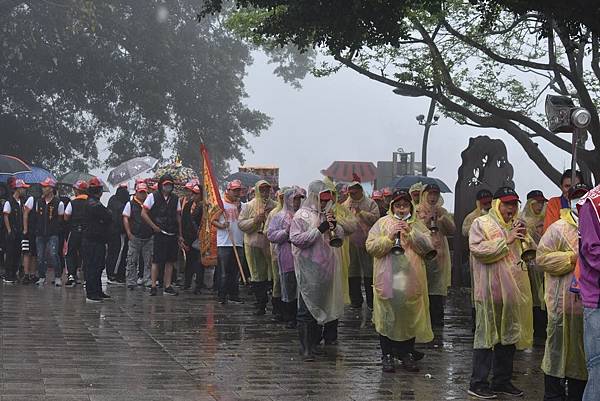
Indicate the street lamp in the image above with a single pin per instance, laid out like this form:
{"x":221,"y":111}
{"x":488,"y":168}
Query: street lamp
{"x":431,"y":121}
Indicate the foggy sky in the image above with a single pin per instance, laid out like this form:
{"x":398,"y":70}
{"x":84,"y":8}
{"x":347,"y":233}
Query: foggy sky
{"x":349,"y":117}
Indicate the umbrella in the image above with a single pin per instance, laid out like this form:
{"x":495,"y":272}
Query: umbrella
{"x":73,"y":176}
{"x":408,"y":181}
{"x":131,"y":168}
{"x":35,"y":176}
{"x":247,"y":179}
{"x":12,"y":165}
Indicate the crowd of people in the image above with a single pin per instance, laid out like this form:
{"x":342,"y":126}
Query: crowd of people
{"x":313,"y":251}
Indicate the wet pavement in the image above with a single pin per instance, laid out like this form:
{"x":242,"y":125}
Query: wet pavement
{"x":54,"y":346}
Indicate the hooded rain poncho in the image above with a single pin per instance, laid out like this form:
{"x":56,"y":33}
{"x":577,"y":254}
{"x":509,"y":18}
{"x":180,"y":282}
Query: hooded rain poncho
{"x":502,"y":292}
{"x":274,"y":272}
{"x":400,"y":301}
{"x":361,"y":263}
{"x":256,"y":245}
{"x":439,"y":270}
{"x":318,"y":265}
{"x":564,"y":354}
{"x":536,"y":275}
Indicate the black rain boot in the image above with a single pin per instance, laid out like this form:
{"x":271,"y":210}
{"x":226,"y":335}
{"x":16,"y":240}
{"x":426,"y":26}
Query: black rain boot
{"x":277,"y":309}
{"x":292,"y":310}
{"x":387,"y":363}
{"x":354,"y":288}
{"x":305,"y":349}
{"x":408,"y":363}
{"x":369,"y":291}
{"x":260,"y":291}
{"x":316,"y":334}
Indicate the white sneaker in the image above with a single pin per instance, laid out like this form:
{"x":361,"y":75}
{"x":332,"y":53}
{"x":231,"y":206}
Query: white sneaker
{"x":58,"y":282}
{"x":140,"y":281}
{"x":41,"y":282}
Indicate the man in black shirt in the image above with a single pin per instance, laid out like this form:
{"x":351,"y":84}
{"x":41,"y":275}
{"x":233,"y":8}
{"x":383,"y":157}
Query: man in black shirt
{"x":13,"y":222}
{"x":190,"y":225}
{"x":75,"y":216}
{"x":118,"y":241}
{"x":162,"y":212}
{"x":95,"y":237}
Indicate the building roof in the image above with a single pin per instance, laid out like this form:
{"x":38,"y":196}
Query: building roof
{"x":345,"y":171}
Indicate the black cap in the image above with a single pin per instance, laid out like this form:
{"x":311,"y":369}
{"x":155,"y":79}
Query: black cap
{"x":401,"y":193}
{"x":577,"y":191}
{"x":432,"y":188}
{"x":506,"y":194}
{"x":537,"y":195}
{"x":484,"y":194}
{"x":166,"y":178}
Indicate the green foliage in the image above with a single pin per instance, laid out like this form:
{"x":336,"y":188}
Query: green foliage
{"x":136,"y":77}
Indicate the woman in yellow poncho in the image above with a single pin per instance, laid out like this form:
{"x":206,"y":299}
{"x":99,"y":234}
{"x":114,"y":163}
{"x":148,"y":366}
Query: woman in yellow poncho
{"x":274,"y":273}
{"x":430,"y":210}
{"x":564,"y":356}
{"x":400,"y":302}
{"x":502,"y":296}
{"x":256,"y":246}
{"x":533,"y":215}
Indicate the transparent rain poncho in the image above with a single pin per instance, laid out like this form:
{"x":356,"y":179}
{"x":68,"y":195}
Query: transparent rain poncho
{"x":318,"y":265}
{"x":256,"y":245}
{"x":466,"y":227}
{"x":501,"y":292}
{"x":564,"y":354}
{"x":535,"y":224}
{"x":279,"y":235}
{"x":400,"y":297}
{"x":439,"y":270}
{"x":274,"y":272}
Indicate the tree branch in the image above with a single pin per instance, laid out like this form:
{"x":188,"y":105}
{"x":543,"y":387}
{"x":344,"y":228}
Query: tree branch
{"x":554,"y":63}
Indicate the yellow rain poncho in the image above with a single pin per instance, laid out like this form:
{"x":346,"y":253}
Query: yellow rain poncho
{"x":274,"y":273}
{"x":502,"y":292}
{"x":564,"y":354}
{"x":418,"y":187}
{"x":439,"y":270}
{"x":349,"y":224}
{"x":256,"y":245}
{"x":361,"y":263}
{"x":535,"y":224}
{"x":400,"y":298}
{"x":318,"y":266}
{"x":466,"y":227}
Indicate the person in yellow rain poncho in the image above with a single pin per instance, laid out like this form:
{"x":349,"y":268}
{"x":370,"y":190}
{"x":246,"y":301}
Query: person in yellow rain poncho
{"x":415,"y":193}
{"x":533,"y":215}
{"x":256,"y":246}
{"x":360,"y":271}
{"x":399,"y":242}
{"x":564,"y":356}
{"x":441,"y":223}
{"x":502,"y":295}
{"x":276,"y":290}
{"x":483,"y":204}
{"x":349,"y":224}
{"x":318,"y":266}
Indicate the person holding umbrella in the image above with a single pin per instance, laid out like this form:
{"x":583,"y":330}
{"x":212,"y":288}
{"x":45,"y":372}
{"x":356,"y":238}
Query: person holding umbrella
{"x":13,"y":222}
{"x":162,"y":212}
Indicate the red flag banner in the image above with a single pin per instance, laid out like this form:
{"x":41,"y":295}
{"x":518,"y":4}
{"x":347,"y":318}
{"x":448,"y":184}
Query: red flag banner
{"x":213,"y":206}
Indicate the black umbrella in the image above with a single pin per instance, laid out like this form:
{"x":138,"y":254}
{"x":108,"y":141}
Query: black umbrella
{"x":247,"y":179}
{"x":73,"y":176}
{"x":12,"y":165}
{"x":408,"y":181}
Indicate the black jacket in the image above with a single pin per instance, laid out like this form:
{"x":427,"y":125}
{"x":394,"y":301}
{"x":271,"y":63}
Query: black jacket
{"x":98,"y":221}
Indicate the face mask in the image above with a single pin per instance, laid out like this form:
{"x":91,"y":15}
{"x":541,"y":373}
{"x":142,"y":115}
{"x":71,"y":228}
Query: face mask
{"x":168,"y":188}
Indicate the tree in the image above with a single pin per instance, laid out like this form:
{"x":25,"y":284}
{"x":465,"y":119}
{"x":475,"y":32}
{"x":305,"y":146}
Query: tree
{"x":486,"y":72}
{"x":134,"y":77}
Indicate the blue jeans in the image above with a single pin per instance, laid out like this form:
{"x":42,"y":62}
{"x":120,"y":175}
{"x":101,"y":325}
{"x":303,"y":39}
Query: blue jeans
{"x":47,"y":254}
{"x":591,"y":344}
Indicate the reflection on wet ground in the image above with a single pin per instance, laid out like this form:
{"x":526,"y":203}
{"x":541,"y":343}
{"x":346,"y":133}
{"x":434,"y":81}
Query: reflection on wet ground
{"x":55,"y":347}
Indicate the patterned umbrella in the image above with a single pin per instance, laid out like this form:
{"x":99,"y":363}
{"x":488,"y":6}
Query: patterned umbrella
{"x":180,"y":174}
{"x":12,"y":165}
{"x":131,"y":168}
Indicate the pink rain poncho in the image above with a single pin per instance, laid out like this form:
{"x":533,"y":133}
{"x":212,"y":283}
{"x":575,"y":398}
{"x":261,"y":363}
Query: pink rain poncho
{"x":279,"y":235}
{"x":256,"y":245}
{"x":501,"y":292}
{"x":439,"y":269}
{"x":318,"y":265}
{"x":564,"y":354}
{"x":274,"y":272}
{"x":400,"y":301}
{"x":361,"y":263}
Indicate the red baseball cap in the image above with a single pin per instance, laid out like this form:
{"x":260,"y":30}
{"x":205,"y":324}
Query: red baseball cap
{"x":95,"y":182}
{"x":196,"y":189}
{"x":537,"y":195}
{"x":19,"y":183}
{"x":506,"y":195}
{"x":141,"y":187}
{"x":386,"y":191}
{"x":325,"y":196}
{"x":235,"y":184}
{"x":189,"y":186}
{"x":377,"y":195}
{"x":48,"y":182}
{"x":80,"y":185}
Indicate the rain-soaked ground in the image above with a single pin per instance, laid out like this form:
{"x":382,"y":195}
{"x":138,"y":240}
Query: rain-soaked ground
{"x":54,"y":346}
